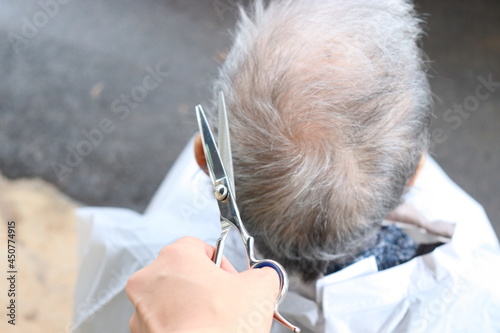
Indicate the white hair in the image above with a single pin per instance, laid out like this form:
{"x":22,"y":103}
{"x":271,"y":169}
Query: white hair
{"x":329,"y":109}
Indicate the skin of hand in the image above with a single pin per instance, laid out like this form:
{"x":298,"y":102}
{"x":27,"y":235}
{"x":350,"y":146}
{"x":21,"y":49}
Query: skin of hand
{"x":182,"y":290}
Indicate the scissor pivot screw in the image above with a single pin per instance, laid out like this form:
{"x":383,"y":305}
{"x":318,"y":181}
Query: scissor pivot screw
{"x":220,"y":192}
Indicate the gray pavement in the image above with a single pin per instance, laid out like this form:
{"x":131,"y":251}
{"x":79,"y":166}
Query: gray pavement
{"x":98,"y":96}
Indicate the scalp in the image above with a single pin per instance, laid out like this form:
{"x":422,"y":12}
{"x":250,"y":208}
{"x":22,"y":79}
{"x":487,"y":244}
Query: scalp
{"x":329,"y":111}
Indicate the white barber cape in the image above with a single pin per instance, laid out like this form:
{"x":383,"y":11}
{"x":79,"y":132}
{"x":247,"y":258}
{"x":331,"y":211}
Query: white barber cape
{"x":455,"y":288}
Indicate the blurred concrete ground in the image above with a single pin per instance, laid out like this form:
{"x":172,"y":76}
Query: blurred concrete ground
{"x":45,"y":260}
{"x":94,"y":71}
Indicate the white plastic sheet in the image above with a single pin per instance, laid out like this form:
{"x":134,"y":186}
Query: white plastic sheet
{"x":453,"y":289}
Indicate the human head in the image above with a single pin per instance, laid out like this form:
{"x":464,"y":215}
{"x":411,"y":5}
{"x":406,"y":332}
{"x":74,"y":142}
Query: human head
{"x":328,"y":106}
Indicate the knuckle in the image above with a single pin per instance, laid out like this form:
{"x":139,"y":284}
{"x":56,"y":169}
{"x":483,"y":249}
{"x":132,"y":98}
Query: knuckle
{"x":188,"y":240}
{"x":181,"y":243}
{"x":131,"y":285}
{"x":165,"y":250}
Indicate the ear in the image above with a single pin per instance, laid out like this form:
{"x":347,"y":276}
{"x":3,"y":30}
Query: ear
{"x":199,"y":154}
{"x":417,"y":172}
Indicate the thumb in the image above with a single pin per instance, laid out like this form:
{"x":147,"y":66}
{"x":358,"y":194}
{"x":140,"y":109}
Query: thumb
{"x":265,"y":279}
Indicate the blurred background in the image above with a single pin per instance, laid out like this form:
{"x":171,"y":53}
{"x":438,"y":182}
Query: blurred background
{"x":97,"y":97}
{"x":68,"y":67}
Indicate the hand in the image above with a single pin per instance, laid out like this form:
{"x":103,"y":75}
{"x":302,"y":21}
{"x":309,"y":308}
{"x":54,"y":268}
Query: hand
{"x":183,"y":291}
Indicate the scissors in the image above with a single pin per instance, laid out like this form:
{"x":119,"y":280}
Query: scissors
{"x":220,"y":169}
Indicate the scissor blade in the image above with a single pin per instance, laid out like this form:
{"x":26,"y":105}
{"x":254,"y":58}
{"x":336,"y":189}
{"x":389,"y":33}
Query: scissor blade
{"x":219,"y":247}
{"x":214,"y":162}
{"x":224,"y":142}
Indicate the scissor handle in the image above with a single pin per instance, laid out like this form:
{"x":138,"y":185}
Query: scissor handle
{"x":283,"y":277}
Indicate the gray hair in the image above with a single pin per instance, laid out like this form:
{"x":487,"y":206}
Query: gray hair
{"x":329,"y":109}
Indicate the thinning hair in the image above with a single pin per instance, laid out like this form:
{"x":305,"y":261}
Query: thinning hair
{"x":329,"y":109}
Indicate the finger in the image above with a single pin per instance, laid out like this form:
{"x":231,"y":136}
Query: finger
{"x":266,"y":278}
{"x":132,"y":288}
{"x":199,"y":245}
{"x":225,"y":263}
{"x":227,"y":266}
{"x":134,"y":323}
